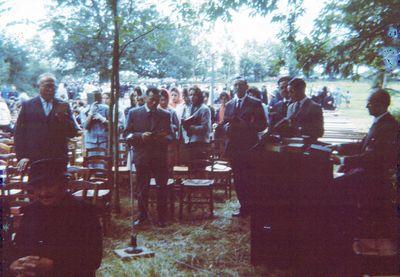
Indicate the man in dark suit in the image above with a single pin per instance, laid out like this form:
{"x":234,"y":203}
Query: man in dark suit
{"x":149,"y":130}
{"x":243,"y":119}
{"x":304,"y":116}
{"x":369,"y":162}
{"x":58,"y":234}
{"x":278,"y":108}
{"x":44,"y":126}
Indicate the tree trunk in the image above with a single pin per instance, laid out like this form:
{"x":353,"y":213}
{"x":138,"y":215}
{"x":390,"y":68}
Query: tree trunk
{"x":114,"y":110}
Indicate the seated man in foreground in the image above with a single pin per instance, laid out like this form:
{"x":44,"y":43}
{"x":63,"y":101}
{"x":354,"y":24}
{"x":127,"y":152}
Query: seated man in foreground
{"x":58,"y":235}
{"x":371,"y":160}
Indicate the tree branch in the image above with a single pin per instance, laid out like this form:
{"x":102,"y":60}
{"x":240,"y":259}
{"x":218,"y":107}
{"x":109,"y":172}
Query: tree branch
{"x":123,"y":48}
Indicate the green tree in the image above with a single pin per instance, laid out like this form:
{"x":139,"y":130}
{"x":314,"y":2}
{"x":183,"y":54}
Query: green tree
{"x":149,"y":43}
{"x":351,"y":33}
{"x":18,"y":66}
{"x":288,"y":34}
{"x":228,"y":64}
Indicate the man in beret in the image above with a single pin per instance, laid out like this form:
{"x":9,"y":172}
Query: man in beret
{"x":58,"y":235}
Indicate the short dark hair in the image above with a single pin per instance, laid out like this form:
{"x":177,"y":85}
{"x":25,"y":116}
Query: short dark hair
{"x":185,"y":92}
{"x":297,"y":83}
{"x":255,"y":91}
{"x":241,"y":80}
{"x":284,"y":79}
{"x":382,"y":97}
{"x":175,"y":89}
{"x":206,"y":93}
{"x":198,"y":91}
{"x":138,"y":90}
{"x":154,"y":90}
{"x":164,"y":93}
{"x":96,"y":94}
{"x":224,"y":94}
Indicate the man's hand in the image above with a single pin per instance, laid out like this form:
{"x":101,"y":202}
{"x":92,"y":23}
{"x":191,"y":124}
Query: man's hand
{"x":333,"y":147}
{"x":31,"y":266}
{"x":335,"y":159}
{"x":100,"y":117}
{"x":147,"y":136}
{"x":23,"y":164}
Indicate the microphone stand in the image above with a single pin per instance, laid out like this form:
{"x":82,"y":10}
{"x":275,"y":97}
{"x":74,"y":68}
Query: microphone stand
{"x":133,"y":248}
{"x":133,"y":251}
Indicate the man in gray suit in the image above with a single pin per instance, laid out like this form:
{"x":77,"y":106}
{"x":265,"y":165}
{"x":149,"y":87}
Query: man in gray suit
{"x":304,"y":116}
{"x":149,"y":130}
{"x":196,"y":127}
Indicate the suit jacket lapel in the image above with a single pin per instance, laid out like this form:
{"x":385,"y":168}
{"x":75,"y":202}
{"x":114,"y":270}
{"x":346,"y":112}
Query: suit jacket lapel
{"x":372,"y":132}
{"x":243,"y":107}
{"x":302,"y":109}
{"x":157,"y":118}
{"x":39,"y":108}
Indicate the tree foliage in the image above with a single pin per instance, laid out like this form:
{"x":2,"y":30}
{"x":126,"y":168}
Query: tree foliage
{"x":259,"y":60}
{"x":151,"y":45}
{"x":18,"y":66}
{"x":348,"y":34}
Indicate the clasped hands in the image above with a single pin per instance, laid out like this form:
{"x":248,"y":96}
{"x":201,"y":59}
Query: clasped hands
{"x":151,"y":136}
{"x":31,"y":266}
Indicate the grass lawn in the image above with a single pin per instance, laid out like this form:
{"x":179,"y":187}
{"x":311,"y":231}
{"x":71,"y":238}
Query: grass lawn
{"x":200,"y":246}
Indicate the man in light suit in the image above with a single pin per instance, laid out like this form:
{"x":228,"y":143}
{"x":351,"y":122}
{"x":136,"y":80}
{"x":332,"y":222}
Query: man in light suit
{"x":244,"y":117}
{"x":95,"y":121}
{"x":149,"y":130}
{"x":196,"y":127}
{"x":44,"y":126}
{"x":304,"y":116}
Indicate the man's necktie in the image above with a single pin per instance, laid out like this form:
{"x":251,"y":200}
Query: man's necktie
{"x":238,"y":106}
{"x":47,"y":108}
{"x":152,"y":120}
{"x":285,"y":108}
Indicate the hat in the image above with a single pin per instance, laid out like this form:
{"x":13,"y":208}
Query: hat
{"x":48,"y":171}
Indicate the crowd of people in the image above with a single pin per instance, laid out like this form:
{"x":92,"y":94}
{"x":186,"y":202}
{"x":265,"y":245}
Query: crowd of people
{"x":158,"y":122}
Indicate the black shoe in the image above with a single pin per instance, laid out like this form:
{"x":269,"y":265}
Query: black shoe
{"x":140,"y":221}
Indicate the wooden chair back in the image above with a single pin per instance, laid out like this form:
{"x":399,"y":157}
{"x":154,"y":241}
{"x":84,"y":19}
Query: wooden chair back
{"x":89,"y":190}
{"x":100,"y":167}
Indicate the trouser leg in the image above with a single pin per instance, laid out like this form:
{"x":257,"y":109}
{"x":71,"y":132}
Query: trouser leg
{"x":143,"y":180}
{"x":241,"y":182}
{"x":161,"y":176}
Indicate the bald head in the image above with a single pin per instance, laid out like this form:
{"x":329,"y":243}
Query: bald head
{"x":378,"y":102}
{"x":47,"y":86}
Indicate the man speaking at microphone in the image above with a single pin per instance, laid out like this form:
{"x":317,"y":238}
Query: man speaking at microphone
{"x":149,"y":130}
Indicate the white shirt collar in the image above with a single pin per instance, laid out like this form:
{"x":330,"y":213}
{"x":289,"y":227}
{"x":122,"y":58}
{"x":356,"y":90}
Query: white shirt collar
{"x":376,"y":119}
{"x":241,"y":99}
{"x":44,"y":101}
{"x":147,"y":108}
